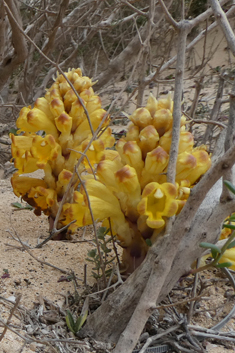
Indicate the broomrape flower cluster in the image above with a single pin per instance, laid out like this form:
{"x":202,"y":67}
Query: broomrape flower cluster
{"x":128,"y":187}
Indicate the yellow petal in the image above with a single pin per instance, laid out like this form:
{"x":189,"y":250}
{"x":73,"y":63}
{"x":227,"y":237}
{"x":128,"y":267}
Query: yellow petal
{"x":158,"y":201}
{"x":43,"y":105}
{"x":22,"y":184}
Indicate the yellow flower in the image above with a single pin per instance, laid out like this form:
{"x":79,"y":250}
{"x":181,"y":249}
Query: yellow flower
{"x":21,"y":144}
{"x":158,"y":201}
{"x":43,"y":105}
{"x":44,"y":149}
{"x":26,"y":164}
{"x":183,"y":194}
{"x":22,"y":184}
{"x":74,"y":211}
{"x":107,"y":138}
{"x":83,"y":130}
{"x":33,"y":120}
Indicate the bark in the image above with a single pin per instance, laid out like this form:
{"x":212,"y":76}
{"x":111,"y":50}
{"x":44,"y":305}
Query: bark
{"x":19,"y":43}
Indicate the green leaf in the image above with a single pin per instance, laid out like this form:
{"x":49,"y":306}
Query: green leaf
{"x":231,"y":245}
{"x":92,"y":253}
{"x":210,"y":246}
{"x":80,"y":321}
{"x":13,"y":131}
{"x":21,"y":207}
{"x":224,"y":264}
{"x":230,"y":186}
{"x":230,"y":226}
{"x":231,"y":218}
{"x":148,"y":242}
{"x":214,"y":253}
{"x":101,"y":231}
{"x":16,"y":204}
{"x":70,"y":321}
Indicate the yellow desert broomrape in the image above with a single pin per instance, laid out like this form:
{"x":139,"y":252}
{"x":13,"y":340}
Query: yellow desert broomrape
{"x":126,"y":181}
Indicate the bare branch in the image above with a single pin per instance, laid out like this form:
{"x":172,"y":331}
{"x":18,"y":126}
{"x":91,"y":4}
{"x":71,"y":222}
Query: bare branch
{"x":224,"y":24}
{"x":50,"y":43}
{"x":168,"y":16}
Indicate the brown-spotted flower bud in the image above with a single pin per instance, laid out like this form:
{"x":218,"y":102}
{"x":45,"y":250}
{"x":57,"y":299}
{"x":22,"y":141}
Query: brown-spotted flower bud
{"x":128,"y":191}
{"x":203,"y":164}
{"x":62,"y":182}
{"x":56,"y":107}
{"x":185,"y":144}
{"x":132,"y":155}
{"x":185,"y":163}
{"x":77,"y":113}
{"x":148,"y":139}
{"x":152,"y":105}
{"x":155,"y":163}
{"x":132,"y":133}
{"x":162,"y":121}
{"x":141,"y":117}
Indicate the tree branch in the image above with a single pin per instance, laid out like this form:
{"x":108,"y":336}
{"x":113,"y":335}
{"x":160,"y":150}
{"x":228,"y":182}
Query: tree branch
{"x":224,"y":24}
{"x":18,"y":40}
